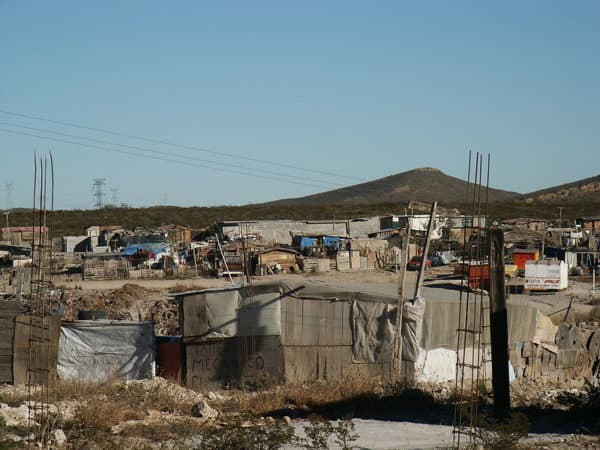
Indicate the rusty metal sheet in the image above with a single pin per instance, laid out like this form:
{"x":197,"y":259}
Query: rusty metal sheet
{"x":9,"y":310}
{"x":44,"y":337}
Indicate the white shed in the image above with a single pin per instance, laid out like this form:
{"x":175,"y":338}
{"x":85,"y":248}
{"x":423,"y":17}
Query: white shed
{"x":546,"y":275}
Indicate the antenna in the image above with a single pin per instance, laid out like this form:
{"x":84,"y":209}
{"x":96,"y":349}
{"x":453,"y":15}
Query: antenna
{"x":8,"y":188}
{"x":98,"y":192}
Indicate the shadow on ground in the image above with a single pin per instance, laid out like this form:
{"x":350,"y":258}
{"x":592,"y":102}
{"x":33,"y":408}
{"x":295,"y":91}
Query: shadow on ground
{"x":414,"y":405}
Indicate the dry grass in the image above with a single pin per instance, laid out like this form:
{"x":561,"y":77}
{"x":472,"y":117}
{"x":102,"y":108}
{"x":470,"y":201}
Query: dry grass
{"x":304,"y":396}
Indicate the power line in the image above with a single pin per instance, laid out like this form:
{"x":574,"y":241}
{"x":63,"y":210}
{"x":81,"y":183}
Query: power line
{"x":325,"y":184}
{"x":173,"y":144}
{"x":158,"y":158}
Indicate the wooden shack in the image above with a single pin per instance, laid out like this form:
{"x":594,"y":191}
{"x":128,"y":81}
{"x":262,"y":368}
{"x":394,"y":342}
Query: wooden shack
{"x":105,"y":266}
{"x":522,"y":255}
{"x":267,"y":259}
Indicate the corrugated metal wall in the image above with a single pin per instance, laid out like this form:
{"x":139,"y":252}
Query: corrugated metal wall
{"x":9,"y":310}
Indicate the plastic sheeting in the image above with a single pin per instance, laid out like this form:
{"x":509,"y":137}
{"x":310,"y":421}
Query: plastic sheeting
{"x":412,"y":328}
{"x":373,"y":331}
{"x":104,"y":350}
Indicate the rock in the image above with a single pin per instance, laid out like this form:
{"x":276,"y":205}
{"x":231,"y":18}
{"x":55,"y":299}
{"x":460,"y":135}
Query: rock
{"x":13,"y":437}
{"x":193,"y":442}
{"x":212,"y":396}
{"x":15,"y":416}
{"x":204,"y":411}
{"x":59,"y":437}
{"x":287,"y":420}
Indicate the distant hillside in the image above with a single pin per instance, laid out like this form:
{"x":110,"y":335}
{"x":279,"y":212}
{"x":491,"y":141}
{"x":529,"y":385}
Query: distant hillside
{"x":577,"y":191}
{"x":423,"y":185}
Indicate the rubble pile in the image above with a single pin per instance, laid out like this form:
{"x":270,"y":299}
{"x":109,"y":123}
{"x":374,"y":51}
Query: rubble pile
{"x":573,"y":357}
{"x":130,"y":302}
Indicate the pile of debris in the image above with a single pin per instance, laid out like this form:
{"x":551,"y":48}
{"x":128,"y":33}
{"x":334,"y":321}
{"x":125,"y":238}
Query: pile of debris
{"x":130,"y":302}
{"x":573,"y":357}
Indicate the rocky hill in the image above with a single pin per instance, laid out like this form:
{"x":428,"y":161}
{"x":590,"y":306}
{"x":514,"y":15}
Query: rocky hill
{"x":424,"y":185}
{"x":577,"y":191}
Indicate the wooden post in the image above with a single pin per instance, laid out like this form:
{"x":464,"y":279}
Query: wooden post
{"x":498,"y":324}
{"x":425,"y":250}
{"x":195,"y":260}
{"x":400,"y":304}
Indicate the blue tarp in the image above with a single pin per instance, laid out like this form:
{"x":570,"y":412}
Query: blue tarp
{"x":307,"y":242}
{"x":331,"y":241}
{"x":133,"y":249}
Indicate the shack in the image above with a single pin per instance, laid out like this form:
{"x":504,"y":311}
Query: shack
{"x":241,"y":335}
{"x":105,"y":266}
{"x":522,"y":255}
{"x":276,"y":260}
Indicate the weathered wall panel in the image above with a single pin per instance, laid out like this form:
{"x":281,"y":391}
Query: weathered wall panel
{"x":44,"y":348}
{"x":9,"y":310}
{"x":234,"y":361}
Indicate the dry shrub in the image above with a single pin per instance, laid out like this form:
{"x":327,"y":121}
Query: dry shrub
{"x":101,"y":413}
{"x":240,"y":434}
{"x":502,"y":434}
{"x":305,"y":396}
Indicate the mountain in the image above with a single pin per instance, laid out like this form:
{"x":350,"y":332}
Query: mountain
{"x":423,"y":185}
{"x":587,"y":189}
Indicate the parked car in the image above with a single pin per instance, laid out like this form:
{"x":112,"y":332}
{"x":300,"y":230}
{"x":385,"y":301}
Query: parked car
{"x":416,"y":261}
{"x":436,"y":261}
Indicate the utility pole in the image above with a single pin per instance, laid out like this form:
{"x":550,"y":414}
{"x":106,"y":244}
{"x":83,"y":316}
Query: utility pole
{"x":400,"y":303}
{"x":8,"y":233}
{"x":560,"y":208}
{"x":498,"y":324}
{"x":421,"y":276}
{"x":8,"y":188}
{"x":98,"y":192}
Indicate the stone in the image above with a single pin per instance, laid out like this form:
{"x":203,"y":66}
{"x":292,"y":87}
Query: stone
{"x":212,"y":396}
{"x":204,"y":411}
{"x":193,"y":442}
{"x":59,"y":437}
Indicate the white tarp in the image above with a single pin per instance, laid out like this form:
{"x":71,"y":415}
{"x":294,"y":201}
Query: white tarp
{"x":101,"y":350}
{"x":420,"y":223}
{"x":412,"y":328}
{"x":373,"y":331}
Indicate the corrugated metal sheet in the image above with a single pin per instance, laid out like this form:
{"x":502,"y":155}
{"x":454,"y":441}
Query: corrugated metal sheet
{"x":44,"y":348}
{"x":9,"y":310}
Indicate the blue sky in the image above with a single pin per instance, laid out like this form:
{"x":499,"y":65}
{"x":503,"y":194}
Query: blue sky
{"x":359,"y":89}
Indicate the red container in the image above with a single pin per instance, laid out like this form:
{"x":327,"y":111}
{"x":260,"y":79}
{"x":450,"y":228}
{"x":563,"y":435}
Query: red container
{"x":479,"y":276}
